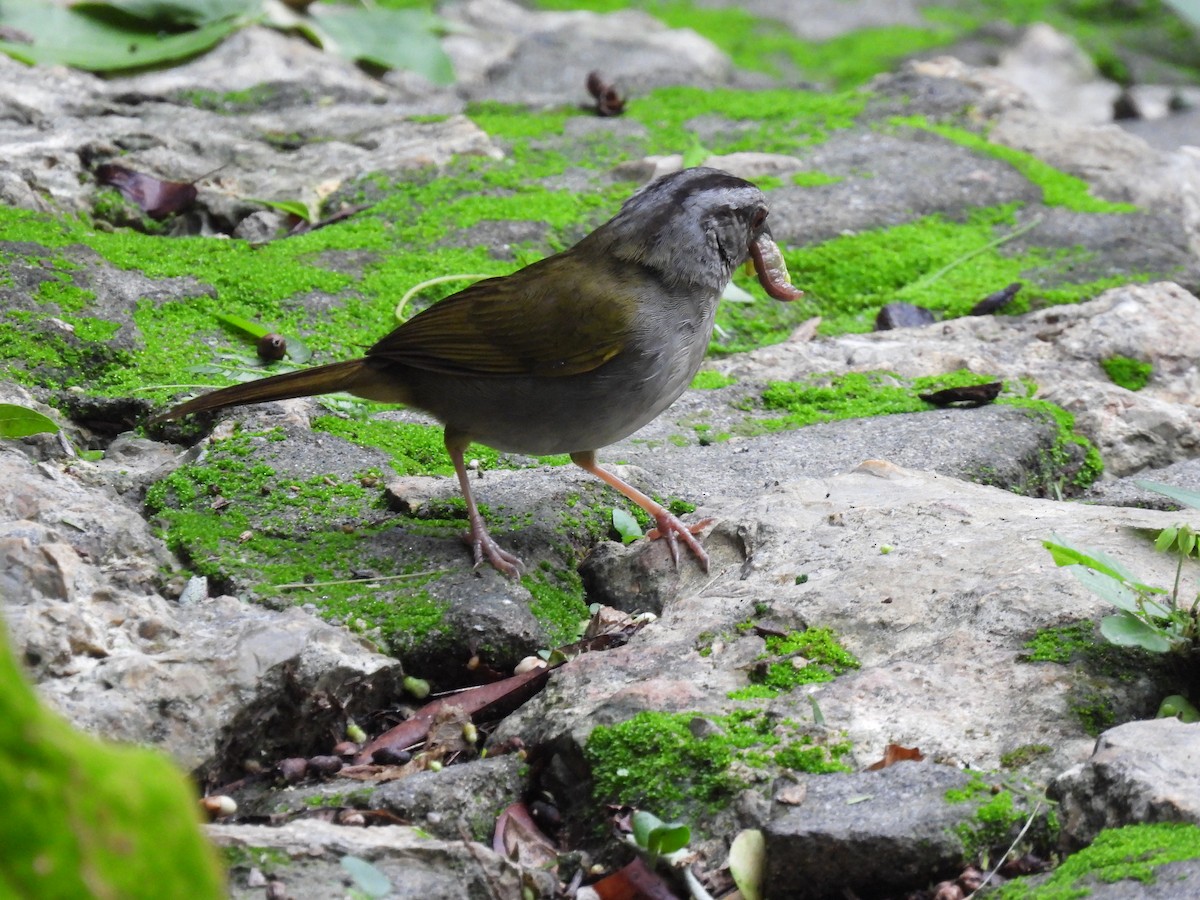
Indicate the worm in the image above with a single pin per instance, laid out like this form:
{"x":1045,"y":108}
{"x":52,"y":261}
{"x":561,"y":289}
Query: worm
{"x":772,"y":270}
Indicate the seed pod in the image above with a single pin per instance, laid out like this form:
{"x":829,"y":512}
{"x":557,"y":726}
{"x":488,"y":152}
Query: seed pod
{"x":346,"y":749}
{"x":386,"y":756}
{"x":418,"y":687}
{"x":272,"y":347}
{"x":293,"y":769}
{"x":325,"y":765}
{"x":218,"y":805}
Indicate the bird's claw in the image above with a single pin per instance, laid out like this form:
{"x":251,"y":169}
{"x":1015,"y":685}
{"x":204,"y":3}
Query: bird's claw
{"x":669,"y":527}
{"x":486,"y":550}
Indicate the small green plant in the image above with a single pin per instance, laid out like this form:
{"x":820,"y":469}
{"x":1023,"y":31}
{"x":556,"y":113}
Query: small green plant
{"x":1153,"y":618}
{"x":654,"y":837}
{"x":626,"y":526}
{"x":20,"y":421}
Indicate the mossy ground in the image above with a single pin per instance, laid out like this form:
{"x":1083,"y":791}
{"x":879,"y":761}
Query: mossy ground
{"x":1098,"y":667}
{"x":798,"y":657}
{"x":691,"y":764}
{"x":1132,"y":853}
{"x":1104,"y":28}
{"x":685,"y":764}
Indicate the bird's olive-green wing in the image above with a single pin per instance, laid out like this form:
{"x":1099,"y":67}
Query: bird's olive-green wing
{"x":555,"y":317}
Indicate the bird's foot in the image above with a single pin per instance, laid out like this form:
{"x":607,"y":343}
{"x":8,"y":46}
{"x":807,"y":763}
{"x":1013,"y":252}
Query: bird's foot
{"x":669,"y":527}
{"x":485,"y":549}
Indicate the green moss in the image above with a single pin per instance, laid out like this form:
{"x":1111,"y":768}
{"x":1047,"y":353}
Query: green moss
{"x":973,"y":790}
{"x":1062,"y":644}
{"x":1131,"y":374}
{"x":656,"y":760}
{"x":1118,"y":854}
{"x":814,"y":179}
{"x":709,"y":380}
{"x":415,"y":449}
{"x":238,"y":520}
{"x":1094,"y":710}
{"x":994,"y":823}
{"x":559,"y":603}
{"x":799,"y":657}
{"x":87,"y":819}
{"x":1024,"y":755}
{"x":1058,"y":188}
{"x":766,"y":45}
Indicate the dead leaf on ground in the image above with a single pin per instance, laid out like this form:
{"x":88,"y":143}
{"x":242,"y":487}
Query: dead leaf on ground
{"x":517,"y":837}
{"x":634,"y":881}
{"x":893,"y":754}
{"x":156,"y":198}
{"x":478,"y":701}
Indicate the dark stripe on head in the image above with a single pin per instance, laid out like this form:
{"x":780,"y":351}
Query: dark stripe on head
{"x":667,"y":195}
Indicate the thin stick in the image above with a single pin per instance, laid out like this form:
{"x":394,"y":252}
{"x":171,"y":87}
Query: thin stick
{"x":934,"y":276}
{"x":1033,"y":815}
{"x":315,"y":584}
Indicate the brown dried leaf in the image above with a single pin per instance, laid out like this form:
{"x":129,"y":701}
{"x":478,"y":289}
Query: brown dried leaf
{"x":157,"y":198}
{"x":518,"y":838}
{"x":893,"y":754}
{"x":498,"y":697}
{"x":633,"y":882}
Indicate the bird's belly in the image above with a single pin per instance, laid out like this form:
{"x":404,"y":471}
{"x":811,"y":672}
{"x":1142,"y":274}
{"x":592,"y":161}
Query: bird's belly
{"x":544,"y":415}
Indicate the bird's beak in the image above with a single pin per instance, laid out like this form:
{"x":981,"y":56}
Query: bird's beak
{"x":771,"y":269}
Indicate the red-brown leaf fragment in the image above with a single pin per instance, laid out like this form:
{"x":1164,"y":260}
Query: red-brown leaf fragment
{"x":893,"y":754}
{"x":518,"y":838}
{"x":157,"y":198}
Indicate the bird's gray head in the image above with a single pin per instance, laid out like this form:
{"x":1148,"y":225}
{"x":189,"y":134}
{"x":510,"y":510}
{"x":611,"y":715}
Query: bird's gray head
{"x":694,"y":226}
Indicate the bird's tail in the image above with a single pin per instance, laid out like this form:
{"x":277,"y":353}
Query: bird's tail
{"x":355,"y":376}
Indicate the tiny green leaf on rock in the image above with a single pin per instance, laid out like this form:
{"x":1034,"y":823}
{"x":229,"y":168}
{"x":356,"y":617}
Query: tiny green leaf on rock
{"x":626,"y":526}
{"x":21,"y":421}
{"x":1126,"y":630}
{"x":1180,"y":495}
{"x":657,"y":837}
{"x":254,"y":329}
{"x":367,"y":877}
{"x":297,"y":208}
{"x":1177,"y":706}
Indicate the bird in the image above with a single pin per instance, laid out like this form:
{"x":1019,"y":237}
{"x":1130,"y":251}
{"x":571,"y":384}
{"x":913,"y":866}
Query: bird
{"x":571,"y":353}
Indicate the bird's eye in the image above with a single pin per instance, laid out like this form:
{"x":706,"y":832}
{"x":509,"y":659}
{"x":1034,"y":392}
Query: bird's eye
{"x":760,"y":216}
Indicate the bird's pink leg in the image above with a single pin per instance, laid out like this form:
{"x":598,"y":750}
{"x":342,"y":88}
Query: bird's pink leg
{"x":668,"y":525}
{"x":481,"y":543}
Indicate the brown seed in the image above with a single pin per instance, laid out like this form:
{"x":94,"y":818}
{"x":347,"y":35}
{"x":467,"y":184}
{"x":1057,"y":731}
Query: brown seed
{"x":346,"y":749}
{"x":386,"y":756}
{"x":293,"y":769}
{"x":272,"y":347}
{"x":325,"y":765}
{"x":218,"y":805}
